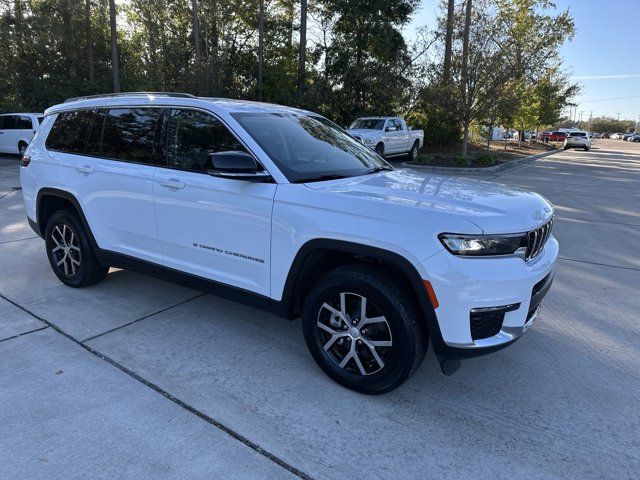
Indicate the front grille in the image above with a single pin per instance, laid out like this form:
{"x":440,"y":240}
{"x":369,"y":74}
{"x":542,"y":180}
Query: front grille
{"x":536,"y":239}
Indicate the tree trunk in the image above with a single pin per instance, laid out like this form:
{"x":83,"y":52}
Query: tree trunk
{"x":448,"y":42}
{"x":302,"y":56}
{"x":89,"y":42}
{"x":465,"y":76}
{"x":68,"y":48}
{"x":196,"y":45}
{"x":115,"y":66}
{"x":260,"y":48}
{"x":155,"y":80}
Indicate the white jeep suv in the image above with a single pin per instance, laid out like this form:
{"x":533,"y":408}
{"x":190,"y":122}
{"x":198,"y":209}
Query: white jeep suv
{"x":282,"y":209}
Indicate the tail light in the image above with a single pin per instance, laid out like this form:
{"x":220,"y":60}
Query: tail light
{"x":25,"y":161}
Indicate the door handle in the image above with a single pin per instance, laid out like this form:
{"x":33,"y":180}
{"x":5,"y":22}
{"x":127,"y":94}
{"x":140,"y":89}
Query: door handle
{"x":172,"y":183}
{"x":85,"y":169}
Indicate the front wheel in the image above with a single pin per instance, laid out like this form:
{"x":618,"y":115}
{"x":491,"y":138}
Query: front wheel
{"x":363,"y":330}
{"x":380,"y":149}
{"x":69,"y":251}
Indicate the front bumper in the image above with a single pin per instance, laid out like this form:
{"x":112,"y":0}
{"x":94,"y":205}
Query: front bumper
{"x":462,"y":284}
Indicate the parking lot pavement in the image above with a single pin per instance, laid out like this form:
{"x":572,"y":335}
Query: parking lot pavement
{"x":184,"y":385}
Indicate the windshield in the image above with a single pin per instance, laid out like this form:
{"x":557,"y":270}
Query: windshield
{"x":367,"y":124}
{"x":308,"y":148}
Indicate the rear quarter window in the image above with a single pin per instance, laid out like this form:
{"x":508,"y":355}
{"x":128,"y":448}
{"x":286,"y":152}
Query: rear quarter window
{"x":69,"y":132}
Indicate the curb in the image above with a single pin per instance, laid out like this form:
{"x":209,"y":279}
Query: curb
{"x":479,"y":170}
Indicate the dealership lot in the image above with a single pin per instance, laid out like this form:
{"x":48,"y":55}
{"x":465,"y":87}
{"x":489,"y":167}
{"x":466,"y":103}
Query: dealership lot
{"x":139,"y":377}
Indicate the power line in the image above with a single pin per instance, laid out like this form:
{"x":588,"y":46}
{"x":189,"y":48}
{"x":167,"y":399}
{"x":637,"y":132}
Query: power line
{"x":610,"y":99}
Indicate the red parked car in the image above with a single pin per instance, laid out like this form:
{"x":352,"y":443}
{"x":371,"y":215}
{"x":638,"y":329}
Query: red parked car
{"x":553,"y":136}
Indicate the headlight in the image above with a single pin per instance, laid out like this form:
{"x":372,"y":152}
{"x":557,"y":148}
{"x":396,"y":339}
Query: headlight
{"x":483,"y":245}
{"x":368,"y":141}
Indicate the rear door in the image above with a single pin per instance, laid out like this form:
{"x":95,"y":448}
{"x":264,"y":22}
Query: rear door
{"x":211,"y":227}
{"x":112,"y":169}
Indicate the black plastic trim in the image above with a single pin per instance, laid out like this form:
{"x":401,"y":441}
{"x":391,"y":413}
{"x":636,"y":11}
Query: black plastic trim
{"x":34,"y":226}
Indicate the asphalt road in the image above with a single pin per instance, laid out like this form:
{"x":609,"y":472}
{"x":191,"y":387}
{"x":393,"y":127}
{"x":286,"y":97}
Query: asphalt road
{"x":138,"y":378}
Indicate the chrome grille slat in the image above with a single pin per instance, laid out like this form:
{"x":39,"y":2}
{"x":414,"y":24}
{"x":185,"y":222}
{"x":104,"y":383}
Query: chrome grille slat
{"x":537,"y":239}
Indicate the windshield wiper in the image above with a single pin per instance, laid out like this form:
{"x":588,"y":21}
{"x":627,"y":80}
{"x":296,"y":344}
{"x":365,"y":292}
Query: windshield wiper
{"x":377,"y":169}
{"x":320,"y":178}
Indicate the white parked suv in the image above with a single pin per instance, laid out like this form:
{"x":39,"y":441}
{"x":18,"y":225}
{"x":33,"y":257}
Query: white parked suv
{"x":578,"y":140}
{"x":17,"y":130}
{"x":282,"y":209}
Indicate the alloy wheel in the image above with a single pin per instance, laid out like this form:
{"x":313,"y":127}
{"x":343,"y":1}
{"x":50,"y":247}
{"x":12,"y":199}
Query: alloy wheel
{"x":66,"y":250}
{"x":354,"y":334}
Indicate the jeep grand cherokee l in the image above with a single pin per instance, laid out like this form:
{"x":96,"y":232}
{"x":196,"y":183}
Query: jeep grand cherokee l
{"x":280,"y":208}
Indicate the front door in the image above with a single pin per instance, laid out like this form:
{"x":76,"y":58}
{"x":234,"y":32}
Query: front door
{"x":211,"y":227}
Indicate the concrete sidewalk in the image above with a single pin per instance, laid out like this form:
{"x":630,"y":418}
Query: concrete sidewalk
{"x":139,"y":378}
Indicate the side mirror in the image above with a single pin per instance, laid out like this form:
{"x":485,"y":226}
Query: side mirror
{"x":237,"y":166}
{"x":390,"y":129}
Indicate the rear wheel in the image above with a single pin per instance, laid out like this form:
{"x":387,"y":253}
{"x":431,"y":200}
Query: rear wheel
{"x":363,"y":330}
{"x":412,"y":156}
{"x":70,"y":253}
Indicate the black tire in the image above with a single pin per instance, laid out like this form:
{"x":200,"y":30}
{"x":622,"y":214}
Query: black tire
{"x":586,"y":149}
{"x":69,"y":251}
{"x":400,"y":337}
{"x":566,"y":148}
{"x":22,"y":147}
{"x":412,"y":155}
{"x":380,"y":149}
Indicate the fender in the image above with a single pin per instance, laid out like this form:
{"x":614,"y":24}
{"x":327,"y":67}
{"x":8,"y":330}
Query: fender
{"x":56,"y":192}
{"x":305,"y":253}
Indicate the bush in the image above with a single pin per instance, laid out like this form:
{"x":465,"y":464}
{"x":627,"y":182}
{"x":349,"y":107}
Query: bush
{"x":486,"y":159}
{"x":424,"y":160}
{"x":460,"y":161}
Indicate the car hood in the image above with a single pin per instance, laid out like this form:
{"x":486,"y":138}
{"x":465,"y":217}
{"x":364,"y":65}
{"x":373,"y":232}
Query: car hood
{"x":493,"y":207}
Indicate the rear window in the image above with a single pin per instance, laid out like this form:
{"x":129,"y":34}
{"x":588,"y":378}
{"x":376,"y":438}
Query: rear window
{"x":577,"y":134}
{"x":69,"y":132}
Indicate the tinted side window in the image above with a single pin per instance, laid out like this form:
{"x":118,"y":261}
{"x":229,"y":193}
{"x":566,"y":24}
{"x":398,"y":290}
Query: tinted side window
{"x":69,"y":132}
{"x":193,"y":136}
{"x":24,"y":123}
{"x":130,"y":134}
{"x":95,"y":136}
{"x":8,"y":122}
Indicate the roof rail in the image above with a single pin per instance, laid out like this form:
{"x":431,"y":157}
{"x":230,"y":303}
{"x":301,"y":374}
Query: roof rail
{"x":126,"y":94}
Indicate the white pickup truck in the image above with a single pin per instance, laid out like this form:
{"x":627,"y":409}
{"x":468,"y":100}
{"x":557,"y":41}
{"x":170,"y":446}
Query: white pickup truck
{"x":388,"y":136}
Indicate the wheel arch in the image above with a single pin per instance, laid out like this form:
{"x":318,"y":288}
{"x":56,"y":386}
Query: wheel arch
{"x":50,"y":200}
{"x":318,"y":256}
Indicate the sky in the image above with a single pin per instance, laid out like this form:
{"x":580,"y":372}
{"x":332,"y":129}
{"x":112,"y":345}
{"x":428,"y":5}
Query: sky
{"x":604,"y":55}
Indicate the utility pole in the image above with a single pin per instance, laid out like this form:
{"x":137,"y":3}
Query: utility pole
{"x":580,"y":121}
{"x":618,"y":116}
